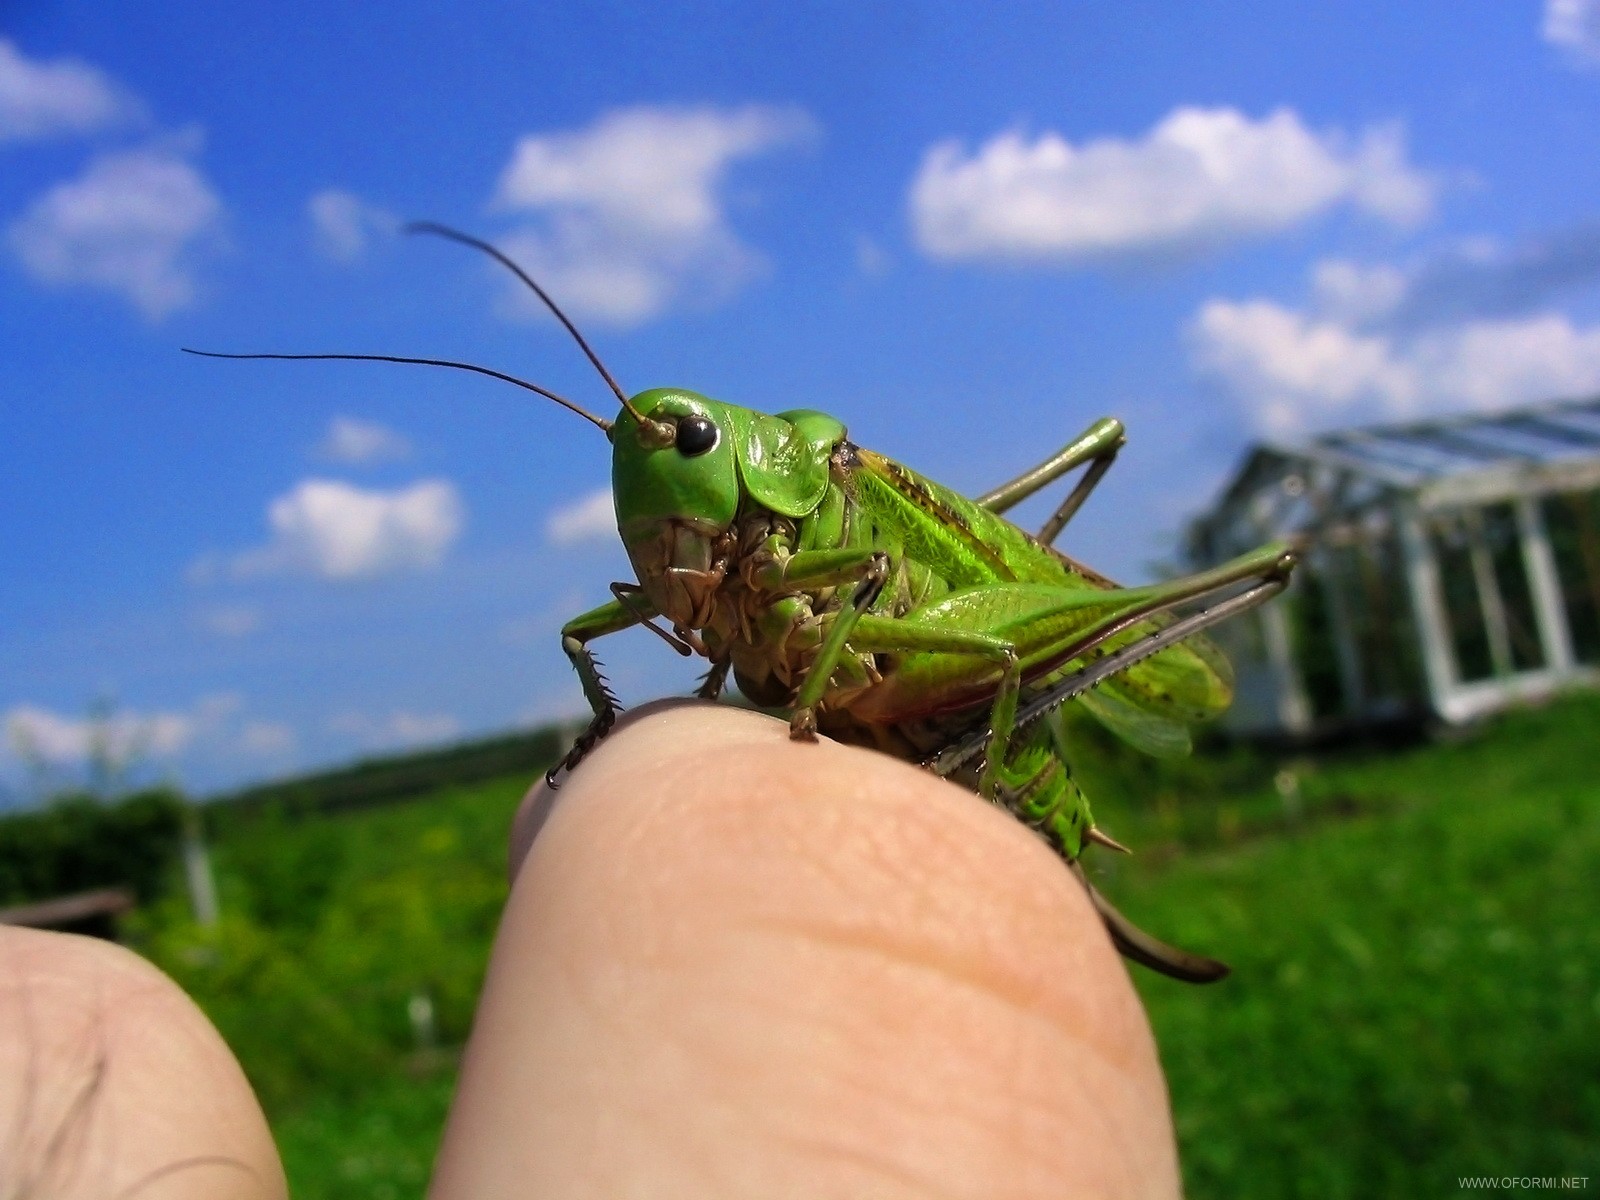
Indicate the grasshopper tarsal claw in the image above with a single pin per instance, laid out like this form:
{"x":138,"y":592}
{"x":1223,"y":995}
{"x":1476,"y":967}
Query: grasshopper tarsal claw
{"x":582,"y":745}
{"x":715,"y":680}
{"x":803,"y":725}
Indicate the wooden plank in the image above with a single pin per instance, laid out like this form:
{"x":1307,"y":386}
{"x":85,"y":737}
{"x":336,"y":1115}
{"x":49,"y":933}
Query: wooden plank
{"x":68,"y":910}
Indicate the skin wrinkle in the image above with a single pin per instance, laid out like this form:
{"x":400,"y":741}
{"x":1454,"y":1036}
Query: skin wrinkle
{"x":19,"y":993}
{"x":860,"y":915}
{"x":53,"y":1152}
{"x":885,"y":948}
{"x":904,"y":1114}
{"x":1029,"y":1092}
{"x":875,"y":1165}
{"x":875,"y":849}
{"x":63,"y":1154}
{"x":885,"y":951}
{"x":188,"y":1164}
{"x":939,"y":1100}
{"x":133,"y":1084}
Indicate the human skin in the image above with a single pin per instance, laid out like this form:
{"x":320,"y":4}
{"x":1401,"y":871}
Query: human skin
{"x":113,"y":1084}
{"x":735,"y":965}
{"x":730,"y":966}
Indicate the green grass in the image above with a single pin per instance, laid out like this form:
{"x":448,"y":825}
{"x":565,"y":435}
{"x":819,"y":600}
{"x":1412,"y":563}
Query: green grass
{"x":1417,"y":970}
{"x":375,"y":1145}
{"x":331,"y":926}
{"x":1416,"y":949}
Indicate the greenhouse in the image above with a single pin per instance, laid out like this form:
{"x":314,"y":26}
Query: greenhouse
{"x":1452,"y":568}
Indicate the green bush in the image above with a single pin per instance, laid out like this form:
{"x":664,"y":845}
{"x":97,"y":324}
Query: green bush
{"x":332,"y":925}
{"x":376,"y":782}
{"x":79,"y":842}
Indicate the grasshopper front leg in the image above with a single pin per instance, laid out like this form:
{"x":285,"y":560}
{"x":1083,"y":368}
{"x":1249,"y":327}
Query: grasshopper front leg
{"x":715,"y":679}
{"x":576,"y":634}
{"x":862,"y":573}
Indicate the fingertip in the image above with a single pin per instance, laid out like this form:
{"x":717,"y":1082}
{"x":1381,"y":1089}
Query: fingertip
{"x":765,"y":945}
{"x":117,"y":1080}
{"x":531,"y":815}
{"x":642,"y":738}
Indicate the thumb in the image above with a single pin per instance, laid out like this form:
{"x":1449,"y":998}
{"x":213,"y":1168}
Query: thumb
{"x":735,"y":965}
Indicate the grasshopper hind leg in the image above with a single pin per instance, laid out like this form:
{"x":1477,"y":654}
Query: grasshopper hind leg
{"x":1134,"y":943}
{"x":1027,"y":772}
{"x":1096,"y":446}
{"x":1030,"y":775}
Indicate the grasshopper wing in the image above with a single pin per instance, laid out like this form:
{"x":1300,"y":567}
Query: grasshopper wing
{"x":1157,"y":736}
{"x":1152,"y":704}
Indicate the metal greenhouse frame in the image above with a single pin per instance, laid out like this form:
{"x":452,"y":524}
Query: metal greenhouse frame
{"x":1452,"y":569}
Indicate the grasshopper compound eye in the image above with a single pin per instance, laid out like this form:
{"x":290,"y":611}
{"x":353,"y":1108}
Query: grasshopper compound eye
{"x":696,"y":435}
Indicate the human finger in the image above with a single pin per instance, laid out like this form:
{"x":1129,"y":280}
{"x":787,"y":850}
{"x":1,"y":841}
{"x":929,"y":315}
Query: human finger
{"x":735,"y":965}
{"x":113,"y":1084}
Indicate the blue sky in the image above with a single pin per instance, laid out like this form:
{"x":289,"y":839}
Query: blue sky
{"x":967,"y":230}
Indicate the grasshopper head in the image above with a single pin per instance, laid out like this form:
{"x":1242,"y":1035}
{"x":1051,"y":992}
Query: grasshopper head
{"x":681,"y":471}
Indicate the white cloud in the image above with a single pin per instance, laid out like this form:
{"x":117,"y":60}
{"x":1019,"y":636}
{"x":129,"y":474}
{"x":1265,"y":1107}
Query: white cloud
{"x":1356,"y":294}
{"x":592,"y":517}
{"x":121,"y":738}
{"x":38,"y":735}
{"x":630,"y":219}
{"x":1340,"y":363}
{"x":1574,"y":25}
{"x":61,"y":97}
{"x":232,"y":621}
{"x":872,"y":260}
{"x":1474,"y":278}
{"x":268,"y":739}
{"x":130,"y":741}
{"x":343,"y":224}
{"x":352,"y":440}
{"x":396,"y":728}
{"x":1199,"y":177}
{"x":1490,"y":364}
{"x":340,"y":531}
{"x":1294,"y":370}
{"x":134,"y":223}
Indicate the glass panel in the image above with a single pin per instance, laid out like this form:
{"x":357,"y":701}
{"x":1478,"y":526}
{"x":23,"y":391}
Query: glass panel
{"x":1373,"y":575}
{"x":1469,"y":637}
{"x":1504,"y":539}
{"x":1315,"y":652}
{"x":1572,"y":523}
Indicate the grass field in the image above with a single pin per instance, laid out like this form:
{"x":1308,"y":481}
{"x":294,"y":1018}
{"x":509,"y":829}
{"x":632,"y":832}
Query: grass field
{"x":1415,"y":936}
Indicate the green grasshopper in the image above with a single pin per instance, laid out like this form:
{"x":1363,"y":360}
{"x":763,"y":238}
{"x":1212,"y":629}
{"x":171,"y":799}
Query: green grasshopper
{"x":881,"y":609}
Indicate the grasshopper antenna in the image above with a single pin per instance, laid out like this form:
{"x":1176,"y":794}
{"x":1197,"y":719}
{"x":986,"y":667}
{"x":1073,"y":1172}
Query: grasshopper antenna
{"x":505,"y":260}
{"x":605,"y":425}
